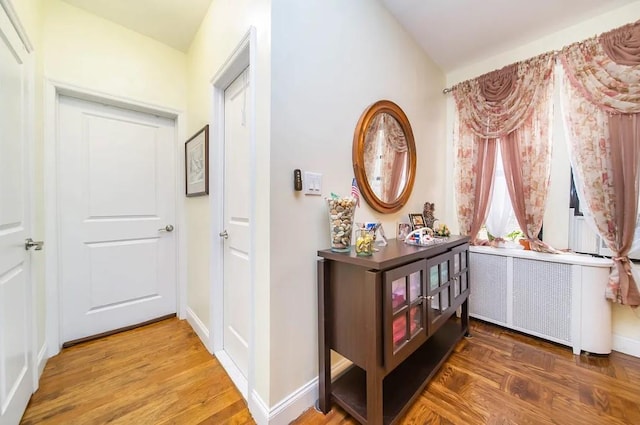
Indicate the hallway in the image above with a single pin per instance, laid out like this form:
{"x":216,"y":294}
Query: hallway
{"x":156,"y":374}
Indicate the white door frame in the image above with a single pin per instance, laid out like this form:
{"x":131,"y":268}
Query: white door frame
{"x":52,"y":91}
{"x":243,"y":56}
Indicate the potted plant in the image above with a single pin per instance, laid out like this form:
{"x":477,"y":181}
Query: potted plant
{"x":514,"y":236}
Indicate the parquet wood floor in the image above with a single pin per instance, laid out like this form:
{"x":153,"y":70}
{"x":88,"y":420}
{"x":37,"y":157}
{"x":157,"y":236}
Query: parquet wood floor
{"x":503,"y":377}
{"x":161,"y":374}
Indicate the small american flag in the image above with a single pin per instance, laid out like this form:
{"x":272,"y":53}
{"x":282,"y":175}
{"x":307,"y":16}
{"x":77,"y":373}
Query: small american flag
{"x":355,"y":191}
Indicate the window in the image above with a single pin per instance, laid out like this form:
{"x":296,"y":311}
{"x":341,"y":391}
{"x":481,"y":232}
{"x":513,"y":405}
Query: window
{"x":501,"y":221}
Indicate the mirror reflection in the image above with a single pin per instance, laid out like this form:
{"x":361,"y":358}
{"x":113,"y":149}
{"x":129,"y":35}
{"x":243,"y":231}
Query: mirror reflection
{"x":386,"y":157}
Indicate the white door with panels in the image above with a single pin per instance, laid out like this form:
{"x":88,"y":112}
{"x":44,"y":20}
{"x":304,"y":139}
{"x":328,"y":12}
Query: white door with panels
{"x":237,"y":228}
{"x":16,"y":368}
{"x":116,"y":203}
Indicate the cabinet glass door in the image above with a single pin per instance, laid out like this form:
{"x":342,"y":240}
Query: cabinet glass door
{"x":460,"y":276}
{"x":404,"y":313}
{"x":439,"y":269}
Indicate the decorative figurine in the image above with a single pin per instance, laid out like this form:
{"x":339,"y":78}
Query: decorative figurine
{"x":428,"y":214}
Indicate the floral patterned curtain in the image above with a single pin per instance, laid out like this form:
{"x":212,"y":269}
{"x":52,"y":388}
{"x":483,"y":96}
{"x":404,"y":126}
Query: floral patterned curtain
{"x":601,"y":103}
{"x":511,"y":106}
{"x":392,"y":155}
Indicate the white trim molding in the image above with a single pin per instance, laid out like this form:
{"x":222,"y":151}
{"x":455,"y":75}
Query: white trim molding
{"x":243,"y":56}
{"x":199,"y":328}
{"x":295,"y":404}
{"x":7,"y":5}
{"x":625,"y":345}
{"x":42,"y":360}
{"x":52,"y":91}
{"x":234,"y":372}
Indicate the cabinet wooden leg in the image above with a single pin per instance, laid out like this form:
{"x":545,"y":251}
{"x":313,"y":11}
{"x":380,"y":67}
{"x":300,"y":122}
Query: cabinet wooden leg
{"x":324,"y":352}
{"x":374,"y":399}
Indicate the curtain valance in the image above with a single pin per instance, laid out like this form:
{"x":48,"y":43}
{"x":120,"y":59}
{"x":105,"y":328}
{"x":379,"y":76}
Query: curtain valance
{"x":495,"y":104}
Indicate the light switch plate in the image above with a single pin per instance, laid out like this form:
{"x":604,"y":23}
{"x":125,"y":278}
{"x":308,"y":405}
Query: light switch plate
{"x":312,"y":183}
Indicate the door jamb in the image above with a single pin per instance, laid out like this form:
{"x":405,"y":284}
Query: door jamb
{"x":243,"y":56}
{"x":53,"y":89}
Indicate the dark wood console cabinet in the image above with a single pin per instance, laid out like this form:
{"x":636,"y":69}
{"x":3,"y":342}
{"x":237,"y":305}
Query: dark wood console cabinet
{"x":392,"y":315}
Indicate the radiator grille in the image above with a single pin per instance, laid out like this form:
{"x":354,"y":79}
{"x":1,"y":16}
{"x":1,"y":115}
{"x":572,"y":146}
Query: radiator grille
{"x":542,"y":297}
{"x":488,"y":274}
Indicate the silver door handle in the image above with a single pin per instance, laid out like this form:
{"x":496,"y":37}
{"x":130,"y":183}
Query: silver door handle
{"x":30,"y":243}
{"x":167,"y":228}
{"x":224,"y":234}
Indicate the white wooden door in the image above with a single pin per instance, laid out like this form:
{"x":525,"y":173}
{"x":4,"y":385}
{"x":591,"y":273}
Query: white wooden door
{"x":116,"y":196}
{"x":236,"y":222}
{"x":16,"y":380}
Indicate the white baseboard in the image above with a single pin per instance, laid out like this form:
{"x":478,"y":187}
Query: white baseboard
{"x":239,"y":380}
{"x":626,"y":345}
{"x":259,"y":409}
{"x":42,"y":359}
{"x":199,"y":328}
{"x":295,"y":404}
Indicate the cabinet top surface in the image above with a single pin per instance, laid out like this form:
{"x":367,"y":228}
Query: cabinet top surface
{"x":395,"y":253}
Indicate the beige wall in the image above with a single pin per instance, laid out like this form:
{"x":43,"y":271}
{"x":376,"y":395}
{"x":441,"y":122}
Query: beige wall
{"x":626,"y":323}
{"x":90,"y":52}
{"x":331,"y":59}
{"x":224,"y":26}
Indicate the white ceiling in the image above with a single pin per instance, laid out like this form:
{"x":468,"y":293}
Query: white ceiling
{"x":172,"y":22}
{"x":456,"y":33}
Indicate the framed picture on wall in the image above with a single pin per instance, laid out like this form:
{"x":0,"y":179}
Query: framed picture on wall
{"x":196,"y":163}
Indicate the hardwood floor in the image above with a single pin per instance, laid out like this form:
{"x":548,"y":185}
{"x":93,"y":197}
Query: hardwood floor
{"x":157,"y":374}
{"x":502,"y":377}
{"x":161,"y":374}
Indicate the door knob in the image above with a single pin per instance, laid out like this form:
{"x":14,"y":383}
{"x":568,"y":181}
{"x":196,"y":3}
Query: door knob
{"x":167,"y":228}
{"x":30,"y":243}
{"x":224,"y":234}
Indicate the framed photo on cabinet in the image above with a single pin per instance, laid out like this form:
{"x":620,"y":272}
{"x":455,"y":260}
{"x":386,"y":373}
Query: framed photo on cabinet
{"x":417,"y":221}
{"x":196,"y":163}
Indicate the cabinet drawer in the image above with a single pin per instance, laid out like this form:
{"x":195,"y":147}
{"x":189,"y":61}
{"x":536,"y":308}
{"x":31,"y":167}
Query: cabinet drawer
{"x":405,"y":315}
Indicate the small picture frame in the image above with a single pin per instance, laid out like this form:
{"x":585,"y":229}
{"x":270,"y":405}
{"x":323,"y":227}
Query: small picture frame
{"x":417,"y":221}
{"x":196,"y":163}
{"x":403,"y":230}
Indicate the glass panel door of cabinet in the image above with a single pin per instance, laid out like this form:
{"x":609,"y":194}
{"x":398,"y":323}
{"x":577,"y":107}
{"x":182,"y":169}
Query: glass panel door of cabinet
{"x":456,"y":263}
{"x":398,"y":293}
{"x":464,"y":283}
{"x":459,"y":277}
{"x":415,"y":286}
{"x":440,"y":270}
{"x":405,"y":324}
{"x":444,"y":272}
{"x":434,"y":277}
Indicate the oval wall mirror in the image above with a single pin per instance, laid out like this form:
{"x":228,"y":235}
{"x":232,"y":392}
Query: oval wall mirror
{"x":384,"y":156}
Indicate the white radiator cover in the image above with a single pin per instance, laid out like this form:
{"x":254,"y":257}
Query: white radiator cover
{"x":558,"y":297}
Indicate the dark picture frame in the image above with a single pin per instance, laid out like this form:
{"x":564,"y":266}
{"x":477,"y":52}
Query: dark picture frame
{"x":417,"y":221}
{"x":196,"y":163}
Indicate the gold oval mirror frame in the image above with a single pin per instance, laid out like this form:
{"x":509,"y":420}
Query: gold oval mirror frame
{"x":384,"y":156}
